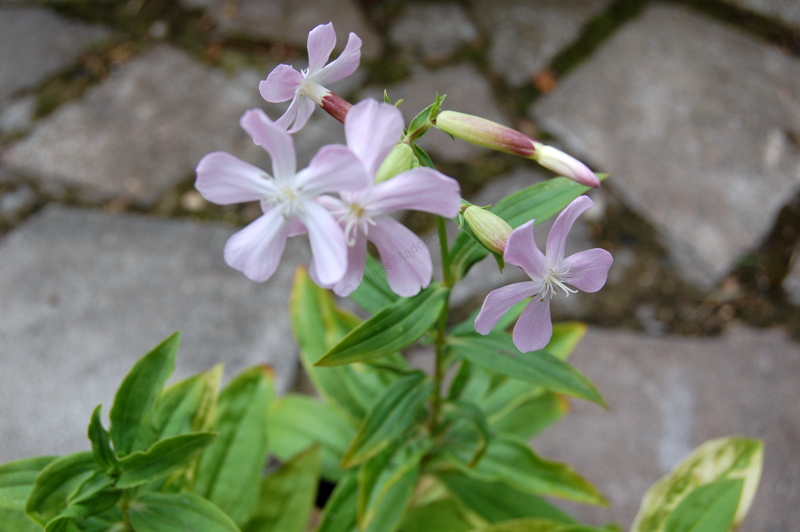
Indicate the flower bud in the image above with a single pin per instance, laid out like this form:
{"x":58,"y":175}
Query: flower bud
{"x":400,"y":159}
{"x":485,"y":133}
{"x":334,"y":105}
{"x":490,"y":229}
{"x":564,"y":165}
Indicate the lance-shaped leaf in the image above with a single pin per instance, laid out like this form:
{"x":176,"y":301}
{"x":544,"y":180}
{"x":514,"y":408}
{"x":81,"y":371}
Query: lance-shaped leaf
{"x":319,"y":324}
{"x":391,"y":416}
{"x":163,"y":458}
{"x":17,"y":478}
{"x":514,"y":463}
{"x":386,"y":483}
{"x":374,"y":292}
{"x":189,"y":405}
{"x":287,"y":496}
{"x":299,"y":422}
{"x":709,"y":508}
{"x":437,"y":516}
{"x":229,"y":471}
{"x":537,"y":202}
{"x":132,"y":413}
{"x":177,"y":512}
{"x":474,"y":415}
{"x":530,"y":417}
{"x":715,"y":460}
{"x":495,"y":501}
{"x":101,"y":444}
{"x":538,"y":525}
{"x":339,"y":514}
{"x":496,"y":352}
{"x":55,"y":483}
{"x":91,"y":503}
{"x":16,"y":521}
{"x":393,"y":328}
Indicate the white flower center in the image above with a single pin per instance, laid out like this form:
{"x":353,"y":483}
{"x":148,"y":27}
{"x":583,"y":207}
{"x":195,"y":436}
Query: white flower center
{"x":355,"y":219}
{"x":287,"y":199}
{"x":311,"y":89}
{"x":555,"y":282}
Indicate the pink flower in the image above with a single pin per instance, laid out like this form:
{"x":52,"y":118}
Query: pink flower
{"x":307,"y":87}
{"x":288,"y":200}
{"x":549,"y":273}
{"x":372,"y":130}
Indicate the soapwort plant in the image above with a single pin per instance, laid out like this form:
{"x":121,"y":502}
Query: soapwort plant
{"x":405,"y":450}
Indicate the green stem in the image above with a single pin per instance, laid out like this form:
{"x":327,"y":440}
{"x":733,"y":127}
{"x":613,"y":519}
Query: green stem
{"x":441,"y":329}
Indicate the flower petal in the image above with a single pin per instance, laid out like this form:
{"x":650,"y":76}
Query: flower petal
{"x":256,"y":250}
{"x":534,"y":328}
{"x":327,"y":243}
{"x":372,"y":130}
{"x":557,"y":239}
{"x":588,"y":270}
{"x":522,"y":251}
{"x":356,"y":260}
{"x":224,"y":179}
{"x":499,"y":301}
{"x":405,"y":256}
{"x":321,"y":41}
{"x":420,"y":189}
{"x":342,"y":66}
{"x":281,"y":84}
{"x":304,"y":109}
{"x":277,"y":142}
{"x":334,"y":168}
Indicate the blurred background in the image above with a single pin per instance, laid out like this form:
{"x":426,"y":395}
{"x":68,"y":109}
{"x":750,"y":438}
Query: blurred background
{"x":692,"y":106}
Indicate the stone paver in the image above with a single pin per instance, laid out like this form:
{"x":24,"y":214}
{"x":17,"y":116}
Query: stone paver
{"x":289,"y":21}
{"x":701,"y":150}
{"x":786,"y":11}
{"x":526,"y":36}
{"x":85,"y":294}
{"x":665,"y":397}
{"x":467,"y":92}
{"x":142,"y":132}
{"x":36,"y":43}
{"x":433,"y":32}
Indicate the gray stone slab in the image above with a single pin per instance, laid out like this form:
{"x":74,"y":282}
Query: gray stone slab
{"x":701,"y":150}
{"x":665,"y":397}
{"x":787,"y":11}
{"x":432,"y":32}
{"x":289,"y":21}
{"x":36,"y":43}
{"x":467,"y":92}
{"x":526,"y":36}
{"x":85,"y":294}
{"x":143,"y":131}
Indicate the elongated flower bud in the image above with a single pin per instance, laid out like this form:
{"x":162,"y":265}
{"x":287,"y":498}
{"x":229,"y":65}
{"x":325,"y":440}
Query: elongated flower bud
{"x":335,"y":105}
{"x":486,"y":133}
{"x":400,"y":159}
{"x":490,"y":229}
{"x":498,"y":137}
{"x":564,"y":164}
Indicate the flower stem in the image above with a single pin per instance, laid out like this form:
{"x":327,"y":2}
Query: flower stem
{"x":440,"y":340}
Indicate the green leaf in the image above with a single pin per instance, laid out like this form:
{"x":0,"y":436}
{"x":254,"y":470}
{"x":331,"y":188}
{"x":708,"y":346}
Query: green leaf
{"x":393,"y":328}
{"x":101,"y":443}
{"x":715,"y":460}
{"x":495,"y":501}
{"x":538,"y":202}
{"x":474,"y":415}
{"x":532,"y":525}
{"x":93,"y":485}
{"x":177,"y":512}
{"x":55,"y":483}
{"x":374,"y":292}
{"x":163,"y":458}
{"x":442,"y":515}
{"x":709,"y":508}
{"x":17,"y":478}
{"x":386,"y":483}
{"x":392,"y":415}
{"x":15,"y":520}
{"x":132,"y":413}
{"x":287,"y":496}
{"x":318,"y":326}
{"x":189,"y":405}
{"x":92,"y":502}
{"x":530,"y":417}
{"x":297,"y":422}
{"x":339,"y":514}
{"x":424,"y":158}
{"x":514,"y":463}
{"x":229,"y":471}
{"x":496,"y":352}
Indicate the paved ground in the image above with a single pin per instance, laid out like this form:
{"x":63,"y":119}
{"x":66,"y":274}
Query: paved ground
{"x":692,"y":106}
